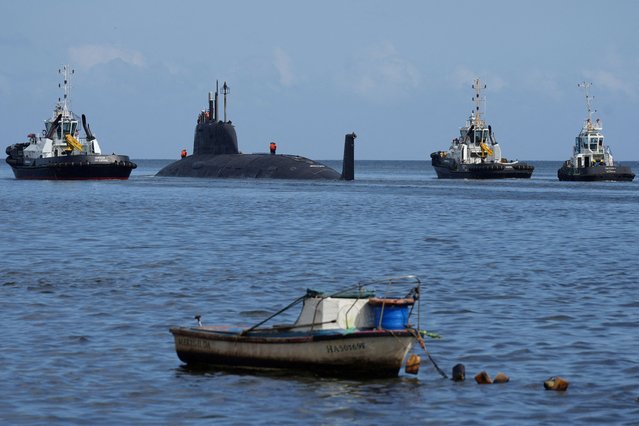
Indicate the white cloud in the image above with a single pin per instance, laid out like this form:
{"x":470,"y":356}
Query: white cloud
{"x":282,"y":63}
{"x":381,"y":72}
{"x":611,"y":81}
{"x":543,"y":83}
{"x":464,"y":78}
{"x":89,"y":55}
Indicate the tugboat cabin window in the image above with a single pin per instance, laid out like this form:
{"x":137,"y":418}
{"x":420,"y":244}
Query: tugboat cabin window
{"x":480,"y":136}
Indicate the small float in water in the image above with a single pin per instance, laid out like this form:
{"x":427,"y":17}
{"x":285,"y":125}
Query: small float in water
{"x":348,"y":333}
{"x":591,"y":159}
{"x":60,"y":153}
{"x":476,"y":153}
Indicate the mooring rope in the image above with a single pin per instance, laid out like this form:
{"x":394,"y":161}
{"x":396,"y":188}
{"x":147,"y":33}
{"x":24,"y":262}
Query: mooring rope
{"x":423,"y":345}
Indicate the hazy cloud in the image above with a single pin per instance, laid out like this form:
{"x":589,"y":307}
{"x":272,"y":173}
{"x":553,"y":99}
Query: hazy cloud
{"x":543,"y":83}
{"x":611,"y":81}
{"x":88,"y":55}
{"x":463,"y":78}
{"x":381,"y":72}
{"x":282,"y":63}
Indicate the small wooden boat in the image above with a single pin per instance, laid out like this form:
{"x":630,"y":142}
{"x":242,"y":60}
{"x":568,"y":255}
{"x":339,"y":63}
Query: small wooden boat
{"x":348,"y":333}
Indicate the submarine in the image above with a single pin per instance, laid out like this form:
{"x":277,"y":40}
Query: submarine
{"x":216,"y":154}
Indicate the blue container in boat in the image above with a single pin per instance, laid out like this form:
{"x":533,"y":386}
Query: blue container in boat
{"x":395,"y":317}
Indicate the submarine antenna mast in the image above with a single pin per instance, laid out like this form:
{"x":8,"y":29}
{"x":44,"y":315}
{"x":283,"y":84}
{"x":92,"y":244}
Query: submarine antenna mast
{"x":589,"y":99}
{"x":216,"y":90}
{"x":210,"y":106}
{"x":225,"y":91}
{"x":477,"y":99}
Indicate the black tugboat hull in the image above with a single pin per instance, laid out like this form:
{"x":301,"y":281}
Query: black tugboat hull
{"x":75,"y":167}
{"x":447,"y":168}
{"x":596,"y":173}
{"x":249,"y":166}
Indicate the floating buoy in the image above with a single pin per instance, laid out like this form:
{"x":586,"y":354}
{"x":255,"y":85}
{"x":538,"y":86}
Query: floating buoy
{"x":483,"y":378}
{"x":459,"y":373}
{"x":556,"y":383}
{"x":412,"y":364}
{"x":501,"y":378}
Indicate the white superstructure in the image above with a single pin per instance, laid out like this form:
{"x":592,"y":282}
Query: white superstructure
{"x":61,"y":135}
{"x":476,"y":143}
{"x":590,"y":149}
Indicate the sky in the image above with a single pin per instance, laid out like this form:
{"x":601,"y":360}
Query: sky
{"x":305,"y":73}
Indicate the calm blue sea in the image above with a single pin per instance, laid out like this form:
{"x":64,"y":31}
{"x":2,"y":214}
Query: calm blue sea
{"x":534,"y":278}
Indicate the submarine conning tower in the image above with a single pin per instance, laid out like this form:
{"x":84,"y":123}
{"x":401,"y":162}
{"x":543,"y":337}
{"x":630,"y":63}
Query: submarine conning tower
{"x":213,"y":136}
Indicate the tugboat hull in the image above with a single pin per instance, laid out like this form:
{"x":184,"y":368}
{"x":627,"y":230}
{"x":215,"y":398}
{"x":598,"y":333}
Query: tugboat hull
{"x":449,"y":169}
{"x":75,"y":167}
{"x":596,"y":173}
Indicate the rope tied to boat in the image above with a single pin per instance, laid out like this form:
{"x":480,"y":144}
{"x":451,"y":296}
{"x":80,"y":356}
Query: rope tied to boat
{"x":415,"y":333}
{"x":293,"y":303}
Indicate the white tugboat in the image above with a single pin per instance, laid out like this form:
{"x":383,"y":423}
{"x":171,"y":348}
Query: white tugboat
{"x":476,"y":153}
{"x":60,"y":152}
{"x":591,"y":159}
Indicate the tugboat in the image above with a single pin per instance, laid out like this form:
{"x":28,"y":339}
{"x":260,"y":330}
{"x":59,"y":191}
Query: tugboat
{"x":216,"y":154}
{"x":591,"y":159}
{"x":61,"y":154}
{"x":476,"y":154}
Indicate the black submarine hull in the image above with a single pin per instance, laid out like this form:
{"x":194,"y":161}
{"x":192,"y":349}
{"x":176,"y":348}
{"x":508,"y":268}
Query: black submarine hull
{"x":216,"y":155}
{"x":74,"y":167}
{"x":595,"y":173}
{"x":269,"y":166}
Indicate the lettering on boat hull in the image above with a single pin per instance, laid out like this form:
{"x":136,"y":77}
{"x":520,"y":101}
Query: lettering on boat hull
{"x":359,"y":346}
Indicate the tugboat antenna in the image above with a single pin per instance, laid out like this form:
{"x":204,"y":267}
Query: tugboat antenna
{"x":586,"y":86}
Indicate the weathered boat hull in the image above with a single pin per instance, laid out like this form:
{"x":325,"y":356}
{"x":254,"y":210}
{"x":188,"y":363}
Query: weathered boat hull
{"x":374,"y":353}
{"x":596,"y":173}
{"x":450,"y":169}
{"x":74,"y":167}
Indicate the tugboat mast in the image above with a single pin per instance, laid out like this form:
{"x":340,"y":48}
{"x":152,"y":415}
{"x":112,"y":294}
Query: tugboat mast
{"x":477,"y":99}
{"x":66,"y":71}
{"x":586,"y":86}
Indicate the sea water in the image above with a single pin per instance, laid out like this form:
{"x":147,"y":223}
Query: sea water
{"x":534,"y":278}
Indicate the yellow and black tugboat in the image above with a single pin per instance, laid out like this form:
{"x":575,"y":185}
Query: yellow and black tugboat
{"x":475,"y":154}
{"x":61,"y":153}
{"x":591,"y":159}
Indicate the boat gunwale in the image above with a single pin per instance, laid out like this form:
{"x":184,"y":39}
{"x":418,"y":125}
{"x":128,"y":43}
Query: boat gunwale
{"x":261,"y":336}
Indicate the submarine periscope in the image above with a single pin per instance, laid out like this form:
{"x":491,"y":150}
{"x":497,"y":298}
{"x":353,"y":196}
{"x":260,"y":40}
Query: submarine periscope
{"x":216,"y":154}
